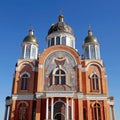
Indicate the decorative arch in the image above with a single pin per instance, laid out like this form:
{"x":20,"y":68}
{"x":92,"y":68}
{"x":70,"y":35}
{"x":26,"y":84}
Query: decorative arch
{"x":59,"y":110}
{"x":54,"y":71}
{"x":96,"y":111}
{"x":94,"y":63}
{"x":23,"y":102}
{"x":23,"y":63}
{"x":59,"y":100}
{"x":25,"y":72}
{"x":93,"y":74}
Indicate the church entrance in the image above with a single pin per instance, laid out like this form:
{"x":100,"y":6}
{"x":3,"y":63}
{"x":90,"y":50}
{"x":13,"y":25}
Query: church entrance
{"x":59,"y":110}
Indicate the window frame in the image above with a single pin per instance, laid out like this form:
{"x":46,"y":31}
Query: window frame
{"x":24,"y":81}
{"x":94,"y":80}
{"x":97,"y":111}
{"x":59,"y":75}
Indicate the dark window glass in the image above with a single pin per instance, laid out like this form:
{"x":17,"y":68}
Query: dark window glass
{"x":56,"y":80}
{"x":95,"y":82}
{"x":52,"y":41}
{"x":63,"y":80}
{"x":24,"y":82}
{"x":63,"y":40}
{"x":58,"y":41}
{"x":48,"y":43}
{"x":86,"y":52}
{"x":60,"y":77}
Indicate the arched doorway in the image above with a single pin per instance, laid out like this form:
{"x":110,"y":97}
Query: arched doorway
{"x":59,"y":110}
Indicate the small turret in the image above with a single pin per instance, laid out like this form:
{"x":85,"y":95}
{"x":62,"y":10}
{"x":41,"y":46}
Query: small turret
{"x":91,"y":47}
{"x":30,"y":46}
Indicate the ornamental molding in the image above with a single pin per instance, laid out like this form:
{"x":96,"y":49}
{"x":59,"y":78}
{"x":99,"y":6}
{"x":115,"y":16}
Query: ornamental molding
{"x":25,"y":72}
{"x":60,"y":94}
{"x":22,"y":97}
{"x":53,"y":94}
{"x":94,"y":63}
{"x":95,"y":97}
{"x":40,"y":95}
{"x":28,"y":63}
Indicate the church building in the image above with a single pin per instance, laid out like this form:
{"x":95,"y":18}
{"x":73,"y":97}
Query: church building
{"x":60,"y":83}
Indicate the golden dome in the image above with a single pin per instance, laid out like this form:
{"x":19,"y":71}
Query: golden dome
{"x":90,"y":38}
{"x":60,"y":26}
{"x":30,"y":37}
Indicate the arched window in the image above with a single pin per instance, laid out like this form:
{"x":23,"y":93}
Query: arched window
{"x":60,"y":77}
{"x":63,"y":40}
{"x":96,"y":112}
{"x":52,"y":41}
{"x":27,"y":55}
{"x":86,"y":52}
{"x":92,"y":52}
{"x":49,"y":43}
{"x":94,"y":82}
{"x":24,"y":82}
{"x":58,"y":40}
{"x":22,"y":112}
{"x":33,"y":52}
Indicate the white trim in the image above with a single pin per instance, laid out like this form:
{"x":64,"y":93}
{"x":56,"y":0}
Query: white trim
{"x":22,"y":97}
{"x":40,"y":95}
{"x":19,"y":66}
{"x":95,"y":97}
{"x":94,"y":63}
{"x":59,"y":68}
{"x":61,"y":94}
{"x":95,"y":74}
{"x":25,"y":72}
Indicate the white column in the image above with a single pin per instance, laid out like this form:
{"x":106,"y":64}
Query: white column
{"x":67,"y":115}
{"x":52,"y":100}
{"x":113,"y":113}
{"x":47,"y":102}
{"x":72,"y":109}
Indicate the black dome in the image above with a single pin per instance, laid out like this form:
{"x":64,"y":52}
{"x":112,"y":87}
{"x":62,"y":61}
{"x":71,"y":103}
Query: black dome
{"x":60,"y":26}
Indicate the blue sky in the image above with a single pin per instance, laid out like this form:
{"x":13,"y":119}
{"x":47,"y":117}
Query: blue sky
{"x":16,"y":16}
